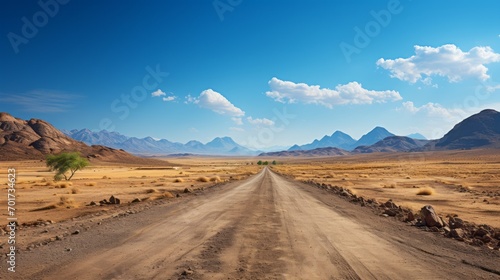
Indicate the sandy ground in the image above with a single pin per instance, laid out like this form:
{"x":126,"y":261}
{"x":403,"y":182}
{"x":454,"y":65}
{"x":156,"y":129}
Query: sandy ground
{"x":37,"y":193}
{"x":463,"y":183}
{"x":265,"y":227}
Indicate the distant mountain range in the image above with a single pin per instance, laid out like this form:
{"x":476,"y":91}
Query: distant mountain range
{"x":481,"y":130}
{"x":343,"y":141}
{"x":150,"y":146}
{"x":318,"y":152}
{"x":35,"y":138}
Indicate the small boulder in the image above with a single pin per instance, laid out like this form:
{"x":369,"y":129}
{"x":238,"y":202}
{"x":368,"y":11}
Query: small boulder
{"x":187,"y":190}
{"x":480,"y":232}
{"x":114,"y":200}
{"x":391,"y":205}
{"x":93,"y":203}
{"x":457,"y":233}
{"x":391,"y":212}
{"x":136,"y":200}
{"x":410,"y":217}
{"x":486,"y":238}
{"x":456,"y":222}
{"x":430,"y":218}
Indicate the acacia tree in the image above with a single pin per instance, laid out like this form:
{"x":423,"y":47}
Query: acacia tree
{"x":66,"y":164}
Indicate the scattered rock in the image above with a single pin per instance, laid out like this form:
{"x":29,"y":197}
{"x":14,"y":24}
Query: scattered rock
{"x":114,"y":200}
{"x":434,"y":229}
{"x":446,"y":230}
{"x":410,"y":217}
{"x":391,"y":205}
{"x":455,"y":222}
{"x":390,"y":212}
{"x":477,"y":242}
{"x":187,"y":272}
{"x":93,"y":203}
{"x":429,"y":217}
{"x":76,"y":232}
{"x":69,"y":249}
{"x":186,"y":190}
{"x":178,"y":195}
{"x":480,"y":232}
{"x":486,"y":238}
{"x":136,"y":200}
{"x":59,"y":237}
{"x":457,"y":233}
{"x":497,"y":235}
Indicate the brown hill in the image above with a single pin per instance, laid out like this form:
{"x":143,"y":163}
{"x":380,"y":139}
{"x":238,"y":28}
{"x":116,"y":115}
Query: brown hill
{"x":34,"y":139}
{"x":481,"y":130}
{"x":392,"y":144}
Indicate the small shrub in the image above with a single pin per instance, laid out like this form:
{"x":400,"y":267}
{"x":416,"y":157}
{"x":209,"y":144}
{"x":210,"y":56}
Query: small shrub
{"x":425,"y":191}
{"x":178,"y":180}
{"x":203,"y":179}
{"x":75,"y":190}
{"x":65,"y":185}
{"x":215,"y":179}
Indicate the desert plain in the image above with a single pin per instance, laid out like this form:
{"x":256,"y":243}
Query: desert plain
{"x":228,"y":217}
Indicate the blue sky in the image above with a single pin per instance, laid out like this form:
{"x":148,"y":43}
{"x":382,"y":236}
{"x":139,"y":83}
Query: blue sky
{"x":263,"y":72}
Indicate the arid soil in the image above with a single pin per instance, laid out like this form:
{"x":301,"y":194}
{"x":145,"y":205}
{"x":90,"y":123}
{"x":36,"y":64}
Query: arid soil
{"x":264,"y":227}
{"x":463,"y":183}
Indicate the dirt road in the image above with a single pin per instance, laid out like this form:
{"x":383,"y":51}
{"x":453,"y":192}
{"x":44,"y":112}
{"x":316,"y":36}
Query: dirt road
{"x":266,"y":227}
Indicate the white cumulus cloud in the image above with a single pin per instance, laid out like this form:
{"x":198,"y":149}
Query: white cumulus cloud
{"x":263,"y":121}
{"x":351,"y":93}
{"x":446,"y":61}
{"x":212,"y":100}
{"x":237,"y":121}
{"x":169,"y":98}
{"x":158,"y":93}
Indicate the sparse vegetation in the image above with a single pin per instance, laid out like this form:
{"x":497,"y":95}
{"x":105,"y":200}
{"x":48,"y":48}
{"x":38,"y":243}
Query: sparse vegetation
{"x":179,"y":180}
{"x":75,"y":190}
{"x":425,"y":191}
{"x":215,"y":179}
{"x":203,"y":179}
{"x":64,"y":185}
{"x":65,"y":163}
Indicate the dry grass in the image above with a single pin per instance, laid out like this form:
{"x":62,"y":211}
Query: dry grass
{"x":179,"y":180}
{"x":64,"y":202}
{"x":162,"y":196}
{"x":90,"y":184}
{"x":64,"y":185}
{"x":391,"y":186}
{"x":215,"y":179}
{"x":75,"y":190}
{"x":426,"y":191}
{"x":203,"y":179}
